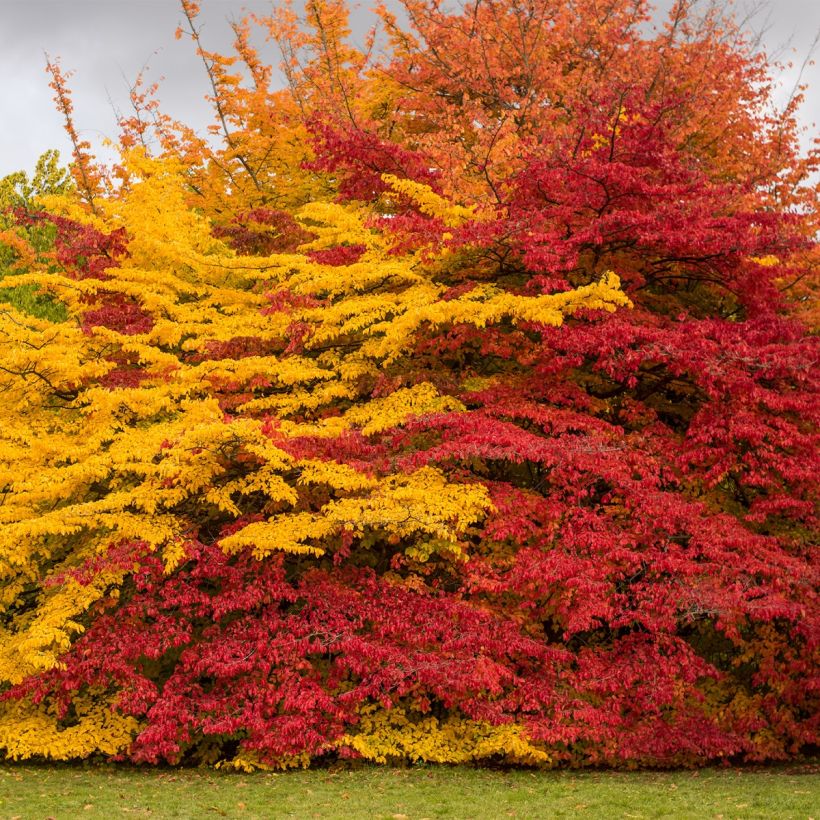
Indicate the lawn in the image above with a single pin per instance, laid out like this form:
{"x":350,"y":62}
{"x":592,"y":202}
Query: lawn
{"x":406,"y":794}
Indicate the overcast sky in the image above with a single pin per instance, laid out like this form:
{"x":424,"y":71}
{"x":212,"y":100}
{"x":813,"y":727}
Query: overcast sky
{"x":107,"y":42}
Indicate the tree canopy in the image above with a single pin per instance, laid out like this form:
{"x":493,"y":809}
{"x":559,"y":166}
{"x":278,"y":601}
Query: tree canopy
{"x":458,"y":401}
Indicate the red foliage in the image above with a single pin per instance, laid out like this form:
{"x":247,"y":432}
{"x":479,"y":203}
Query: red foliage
{"x":262,"y":231}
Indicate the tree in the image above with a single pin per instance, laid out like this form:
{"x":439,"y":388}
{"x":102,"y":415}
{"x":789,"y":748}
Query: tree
{"x":450,"y":410}
{"x":20,"y":245}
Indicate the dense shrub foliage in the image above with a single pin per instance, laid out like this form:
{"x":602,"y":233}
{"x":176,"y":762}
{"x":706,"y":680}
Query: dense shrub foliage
{"x":457,"y":402}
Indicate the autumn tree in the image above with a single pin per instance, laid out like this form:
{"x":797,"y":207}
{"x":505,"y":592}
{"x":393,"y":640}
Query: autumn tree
{"x":459,"y":405}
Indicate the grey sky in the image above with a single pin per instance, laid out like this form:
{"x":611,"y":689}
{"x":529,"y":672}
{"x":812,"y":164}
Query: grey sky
{"x":106,"y":42}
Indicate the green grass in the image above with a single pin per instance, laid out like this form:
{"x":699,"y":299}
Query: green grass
{"x":406,"y":794}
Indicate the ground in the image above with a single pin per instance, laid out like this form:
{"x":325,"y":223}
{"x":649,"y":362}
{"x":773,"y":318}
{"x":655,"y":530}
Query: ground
{"x":406,"y":794}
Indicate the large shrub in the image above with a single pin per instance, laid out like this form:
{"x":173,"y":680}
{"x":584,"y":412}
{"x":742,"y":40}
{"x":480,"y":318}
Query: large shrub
{"x":459,"y":404}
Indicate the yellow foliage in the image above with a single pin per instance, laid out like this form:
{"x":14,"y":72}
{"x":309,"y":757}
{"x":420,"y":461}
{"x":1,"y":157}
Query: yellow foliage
{"x":398,"y":506}
{"x":34,"y":730}
{"x":765,"y":261}
{"x":336,"y":224}
{"x":429,"y":202}
{"x":287,"y":532}
{"x":423,"y":502}
{"x":386,"y":735}
{"x":391,"y":411}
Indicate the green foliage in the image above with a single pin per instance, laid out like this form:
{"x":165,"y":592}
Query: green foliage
{"x":28,"y":299}
{"x":18,"y":190}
